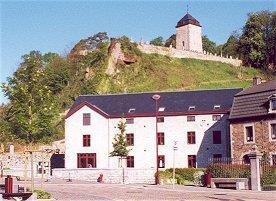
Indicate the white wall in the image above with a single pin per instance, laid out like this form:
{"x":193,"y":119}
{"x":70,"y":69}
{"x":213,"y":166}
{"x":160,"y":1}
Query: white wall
{"x":103,"y":130}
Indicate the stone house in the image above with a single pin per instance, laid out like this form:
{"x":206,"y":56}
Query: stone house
{"x":253,"y":121}
{"x":196,"y":120}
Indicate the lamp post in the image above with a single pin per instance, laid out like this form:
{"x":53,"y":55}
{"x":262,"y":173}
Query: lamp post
{"x":156,"y":98}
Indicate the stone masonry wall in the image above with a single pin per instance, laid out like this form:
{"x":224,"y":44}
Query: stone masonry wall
{"x":109,"y":175}
{"x":262,"y":140}
{"x":172,"y":52}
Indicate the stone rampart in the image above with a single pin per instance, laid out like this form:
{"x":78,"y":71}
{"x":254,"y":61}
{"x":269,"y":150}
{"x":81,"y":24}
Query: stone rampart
{"x":172,"y":52}
{"x":109,"y":175}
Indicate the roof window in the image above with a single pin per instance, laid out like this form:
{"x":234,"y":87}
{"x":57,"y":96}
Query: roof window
{"x":191,"y":108}
{"x":216,"y":107}
{"x":272,"y":104}
{"x":131,"y":110}
{"x":161,"y":109}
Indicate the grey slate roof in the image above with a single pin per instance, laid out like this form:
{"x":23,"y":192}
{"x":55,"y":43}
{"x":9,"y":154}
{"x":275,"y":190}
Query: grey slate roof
{"x":187,"y":19}
{"x":174,"y":102}
{"x":253,"y":102}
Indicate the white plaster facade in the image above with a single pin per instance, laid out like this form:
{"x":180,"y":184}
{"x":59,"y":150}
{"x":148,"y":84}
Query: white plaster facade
{"x":189,"y":37}
{"x":175,"y":128}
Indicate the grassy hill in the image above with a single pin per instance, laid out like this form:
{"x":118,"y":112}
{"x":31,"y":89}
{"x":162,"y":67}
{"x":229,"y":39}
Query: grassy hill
{"x":151,"y":72}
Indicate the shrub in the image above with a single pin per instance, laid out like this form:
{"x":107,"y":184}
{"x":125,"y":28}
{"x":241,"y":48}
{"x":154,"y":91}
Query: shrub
{"x":229,"y":170}
{"x":186,"y":173}
{"x":42,"y":194}
{"x":199,"y":178}
{"x":269,"y":176}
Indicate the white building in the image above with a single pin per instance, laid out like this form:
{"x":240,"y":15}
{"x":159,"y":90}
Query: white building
{"x":189,"y":34}
{"x":196,"y":120}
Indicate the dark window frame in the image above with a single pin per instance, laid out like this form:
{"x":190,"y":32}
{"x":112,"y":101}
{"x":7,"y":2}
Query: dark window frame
{"x":190,"y":118}
{"x":216,"y":117}
{"x":161,"y":138}
{"x":249,"y":133}
{"x":191,"y":137}
{"x":161,"y":158}
{"x":86,"y":140}
{"x":273,"y":131}
{"x":160,"y":120}
{"x":130,"y":139}
{"x":129,"y":120}
{"x":130,"y":161}
{"x":86,"y":119}
{"x":191,"y":161}
{"x":87,"y":160}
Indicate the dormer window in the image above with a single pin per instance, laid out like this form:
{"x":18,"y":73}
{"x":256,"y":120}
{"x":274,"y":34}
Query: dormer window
{"x":161,"y":109}
{"x":272,"y":104}
{"x":131,"y":110}
{"x":191,"y":108}
{"x":216,"y":107}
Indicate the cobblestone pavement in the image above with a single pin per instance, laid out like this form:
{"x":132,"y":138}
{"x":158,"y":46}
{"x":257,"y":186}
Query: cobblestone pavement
{"x":79,"y":190}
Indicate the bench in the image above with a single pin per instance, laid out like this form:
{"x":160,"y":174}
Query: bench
{"x":24,"y":196}
{"x":235,"y":183}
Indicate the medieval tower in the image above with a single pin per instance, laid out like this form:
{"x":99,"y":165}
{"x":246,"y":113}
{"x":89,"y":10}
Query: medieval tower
{"x":188,"y":34}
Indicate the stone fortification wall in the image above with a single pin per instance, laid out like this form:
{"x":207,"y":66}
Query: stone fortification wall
{"x":109,"y":175}
{"x":172,"y":52}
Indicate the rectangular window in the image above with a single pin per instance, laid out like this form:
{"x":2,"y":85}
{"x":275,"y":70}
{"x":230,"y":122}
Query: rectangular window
{"x":273,"y":104}
{"x":192,"y":161}
{"x":273,"y":131}
{"x":191,"y":139}
{"x":161,"y":161}
{"x":130,"y":139}
{"x":161,"y":138}
{"x":130,"y":161}
{"x":86,"y":140}
{"x":216,"y":137}
{"x":273,"y":157}
{"x":249,"y":133}
{"x":217,"y":156}
{"x":86,"y":119}
{"x":87,"y":160}
{"x":160,"y":119}
{"x":130,"y":121}
{"x":190,"y":118}
{"x":216,"y":117}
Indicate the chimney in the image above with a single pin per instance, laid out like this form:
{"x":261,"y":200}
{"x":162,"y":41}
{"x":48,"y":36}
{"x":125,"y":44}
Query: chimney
{"x":257,"y":80}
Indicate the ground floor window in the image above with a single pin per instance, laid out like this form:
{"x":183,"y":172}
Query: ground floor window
{"x":161,"y":161}
{"x":273,"y":157}
{"x":246,"y":159}
{"x":130,"y":161}
{"x":87,"y":160}
{"x":192,"y":161}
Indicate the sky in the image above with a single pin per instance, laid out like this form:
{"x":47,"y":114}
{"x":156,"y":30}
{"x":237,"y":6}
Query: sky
{"x":55,"y":26}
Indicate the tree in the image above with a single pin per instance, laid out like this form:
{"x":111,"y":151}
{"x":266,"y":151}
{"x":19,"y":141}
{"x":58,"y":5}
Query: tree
{"x":258,"y":41}
{"x":158,"y":41}
{"x":171,"y":41}
{"x":120,"y":144}
{"x":208,"y":45}
{"x":33,"y":109}
{"x":92,"y":42}
{"x":231,"y":46}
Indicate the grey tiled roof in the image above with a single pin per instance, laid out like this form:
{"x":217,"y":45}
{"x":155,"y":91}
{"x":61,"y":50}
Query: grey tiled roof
{"x":174,"y":102}
{"x":253,"y":102}
{"x":187,"y":19}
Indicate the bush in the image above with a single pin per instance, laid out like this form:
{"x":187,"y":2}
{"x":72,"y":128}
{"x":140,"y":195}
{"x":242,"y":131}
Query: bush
{"x":42,"y":194}
{"x":269,"y":176}
{"x":186,"y":173}
{"x":229,"y":170}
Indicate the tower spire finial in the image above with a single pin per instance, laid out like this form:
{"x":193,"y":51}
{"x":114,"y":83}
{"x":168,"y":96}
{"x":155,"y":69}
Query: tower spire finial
{"x":187,"y":9}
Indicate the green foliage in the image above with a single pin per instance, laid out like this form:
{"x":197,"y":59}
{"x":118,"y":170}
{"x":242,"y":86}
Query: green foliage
{"x":269,"y":175}
{"x":42,"y":194}
{"x":257,"y":42}
{"x":128,"y":48}
{"x":120,"y":144}
{"x":230,"y":48}
{"x":158,"y":41}
{"x":229,"y":170}
{"x":185,"y":173}
{"x":208,"y":45}
{"x":33,"y":107}
{"x":171,"y":41}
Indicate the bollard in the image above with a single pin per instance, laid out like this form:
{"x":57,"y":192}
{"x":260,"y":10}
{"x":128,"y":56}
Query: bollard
{"x":8,"y":184}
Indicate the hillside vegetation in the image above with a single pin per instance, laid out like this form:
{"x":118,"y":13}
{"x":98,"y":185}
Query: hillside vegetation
{"x":45,"y":86}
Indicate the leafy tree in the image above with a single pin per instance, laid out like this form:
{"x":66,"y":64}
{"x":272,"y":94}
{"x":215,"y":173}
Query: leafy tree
{"x":208,"y":45}
{"x":157,"y":41}
{"x":171,"y":41}
{"x":92,"y":42}
{"x":33,"y":108}
{"x":231,"y":46}
{"x":258,"y":40}
{"x":120,"y":144}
